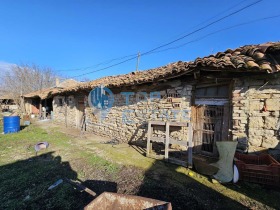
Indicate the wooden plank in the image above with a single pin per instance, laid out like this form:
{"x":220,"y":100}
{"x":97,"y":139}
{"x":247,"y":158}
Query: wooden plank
{"x":225,"y":125}
{"x":180,"y":124}
{"x":157,"y":122}
{"x":211,"y":84}
{"x":40,"y":108}
{"x":166,"y":151}
{"x":190,"y":137}
{"x":80,"y":187}
{"x":205,"y":131}
{"x":194,"y":123}
{"x":157,"y":139}
{"x":176,"y":100}
{"x":199,"y":126}
{"x":174,"y":141}
{"x":149,"y":139}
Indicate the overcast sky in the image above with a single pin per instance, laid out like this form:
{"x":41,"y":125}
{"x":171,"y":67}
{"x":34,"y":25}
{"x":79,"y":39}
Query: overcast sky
{"x":74,"y":36}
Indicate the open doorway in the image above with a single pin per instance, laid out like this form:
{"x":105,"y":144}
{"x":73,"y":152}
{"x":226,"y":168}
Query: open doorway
{"x":47,"y":108}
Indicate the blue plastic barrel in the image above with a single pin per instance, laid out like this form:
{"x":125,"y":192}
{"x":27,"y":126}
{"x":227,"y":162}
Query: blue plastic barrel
{"x":11,"y":124}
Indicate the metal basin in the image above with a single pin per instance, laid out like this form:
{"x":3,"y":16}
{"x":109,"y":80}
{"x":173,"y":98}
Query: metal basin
{"x":115,"y":201}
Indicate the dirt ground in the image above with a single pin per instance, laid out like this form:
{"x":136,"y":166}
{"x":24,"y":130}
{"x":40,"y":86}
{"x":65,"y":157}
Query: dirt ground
{"x":102,"y":164}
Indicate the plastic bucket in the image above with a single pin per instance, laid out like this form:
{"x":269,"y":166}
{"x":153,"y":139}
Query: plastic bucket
{"x":11,"y":124}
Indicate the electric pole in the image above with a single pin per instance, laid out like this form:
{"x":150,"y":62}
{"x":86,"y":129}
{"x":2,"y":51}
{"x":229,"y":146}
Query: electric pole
{"x":138,"y":59}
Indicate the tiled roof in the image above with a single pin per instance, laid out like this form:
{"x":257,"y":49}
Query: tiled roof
{"x":45,"y":93}
{"x":264,"y":57}
{"x":4,"y":97}
{"x":250,"y":58}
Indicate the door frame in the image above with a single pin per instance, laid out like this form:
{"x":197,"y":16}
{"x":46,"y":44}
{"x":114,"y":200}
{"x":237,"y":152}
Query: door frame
{"x":199,"y":101}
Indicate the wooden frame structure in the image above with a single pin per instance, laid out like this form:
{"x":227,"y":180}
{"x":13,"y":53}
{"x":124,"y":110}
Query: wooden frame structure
{"x":167,"y":140}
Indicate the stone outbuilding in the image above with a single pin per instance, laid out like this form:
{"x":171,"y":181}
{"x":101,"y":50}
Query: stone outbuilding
{"x":230,"y":96}
{"x":8,"y":103}
{"x":36,"y":102}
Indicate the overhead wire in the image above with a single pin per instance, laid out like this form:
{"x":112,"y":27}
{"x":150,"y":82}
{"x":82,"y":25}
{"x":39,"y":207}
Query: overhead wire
{"x":120,"y":58}
{"x":99,"y":64}
{"x":217,"y":15}
{"x":178,"y":39}
{"x":201,"y":28}
{"x":215,"y":32}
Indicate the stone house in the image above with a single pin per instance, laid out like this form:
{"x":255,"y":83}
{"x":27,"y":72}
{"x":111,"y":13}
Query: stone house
{"x":35,"y":101}
{"x":230,"y":96}
{"x":7,"y":102}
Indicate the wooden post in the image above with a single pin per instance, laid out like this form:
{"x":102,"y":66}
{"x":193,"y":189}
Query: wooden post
{"x":40,"y":108}
{"x":166,"y":151}
{"x":149,"y":139}
{"x":65,"y":111}
{"x":137,"y":63}
{"x":190,"y":135}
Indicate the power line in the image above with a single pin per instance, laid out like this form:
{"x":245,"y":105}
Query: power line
{"x":96,"y":65}
{"x":215,"y":32}
{"x":206,"y":26}
{"x":120,"y":58}
{"x":217,"y":15}
{"x":203,"y":37}
{"x":178,"y":39}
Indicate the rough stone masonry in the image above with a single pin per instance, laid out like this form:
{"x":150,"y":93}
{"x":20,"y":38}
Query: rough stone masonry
{"x":256,"y":110}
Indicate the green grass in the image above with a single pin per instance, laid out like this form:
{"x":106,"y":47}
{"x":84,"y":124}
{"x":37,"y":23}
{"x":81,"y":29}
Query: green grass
{"x":25,"y":177}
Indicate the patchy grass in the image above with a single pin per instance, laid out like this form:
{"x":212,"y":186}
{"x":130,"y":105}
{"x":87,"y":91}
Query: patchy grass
{"x":25,"y":177}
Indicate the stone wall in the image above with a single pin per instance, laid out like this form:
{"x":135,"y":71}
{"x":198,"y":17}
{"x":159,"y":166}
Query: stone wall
{"x":64,"y":110}
{"x":256,"y":110}
{"x":127,"y":119}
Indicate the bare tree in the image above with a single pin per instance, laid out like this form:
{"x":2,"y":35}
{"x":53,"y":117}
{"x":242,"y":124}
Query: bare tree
{"x":24,"y":79}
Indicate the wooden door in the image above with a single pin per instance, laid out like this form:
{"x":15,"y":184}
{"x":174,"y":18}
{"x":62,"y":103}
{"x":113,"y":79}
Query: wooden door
{"x":210,"y":125}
